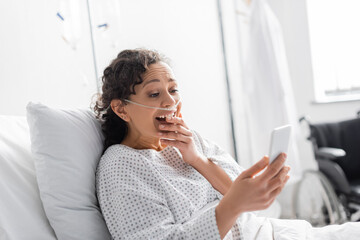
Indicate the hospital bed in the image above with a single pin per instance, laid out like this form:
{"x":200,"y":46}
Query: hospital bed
{"x":47,"y":177}
{"x":38,"y":198}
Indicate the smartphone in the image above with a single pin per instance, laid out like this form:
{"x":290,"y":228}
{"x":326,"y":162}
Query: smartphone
{"x":280,"y":138}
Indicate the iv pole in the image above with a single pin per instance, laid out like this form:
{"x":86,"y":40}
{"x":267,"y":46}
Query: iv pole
{"x":227,"y":79}
{"x":93,"y":48}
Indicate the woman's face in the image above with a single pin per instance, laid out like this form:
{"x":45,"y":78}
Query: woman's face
{"x":158,"y":89}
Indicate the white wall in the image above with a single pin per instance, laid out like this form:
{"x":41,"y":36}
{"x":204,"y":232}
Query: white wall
{"x":292,"y":15}
{"x":38,"y":65}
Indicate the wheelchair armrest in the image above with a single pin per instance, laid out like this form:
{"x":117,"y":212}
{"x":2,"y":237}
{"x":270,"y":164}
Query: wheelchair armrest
{"x":335,"y":174}
{"x":330,"y":153}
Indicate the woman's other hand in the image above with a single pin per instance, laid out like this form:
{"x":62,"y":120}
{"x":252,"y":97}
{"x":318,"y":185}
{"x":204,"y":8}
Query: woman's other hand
{"x":250,"y":193}
{"x":176,"y":133}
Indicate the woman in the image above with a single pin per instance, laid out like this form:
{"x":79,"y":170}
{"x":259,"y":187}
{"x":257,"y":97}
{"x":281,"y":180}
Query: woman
{"x":157,"y":179}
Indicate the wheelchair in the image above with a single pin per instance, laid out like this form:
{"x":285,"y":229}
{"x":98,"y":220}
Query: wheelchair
{"x":336,"y":147}
{"x":316,"y":202}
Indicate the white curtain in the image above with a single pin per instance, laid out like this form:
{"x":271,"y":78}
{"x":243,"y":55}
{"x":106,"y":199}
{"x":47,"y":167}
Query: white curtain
{"x":268,"y":94}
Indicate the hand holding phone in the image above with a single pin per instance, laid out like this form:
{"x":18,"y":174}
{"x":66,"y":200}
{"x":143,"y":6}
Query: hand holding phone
{"x":279,"y":141}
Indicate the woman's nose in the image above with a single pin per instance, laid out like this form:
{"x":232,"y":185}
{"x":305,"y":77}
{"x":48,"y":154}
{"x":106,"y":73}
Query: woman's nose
{"x":169,"y":101}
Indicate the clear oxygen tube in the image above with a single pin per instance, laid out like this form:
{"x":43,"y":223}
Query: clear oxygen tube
{"x":159,"y":108}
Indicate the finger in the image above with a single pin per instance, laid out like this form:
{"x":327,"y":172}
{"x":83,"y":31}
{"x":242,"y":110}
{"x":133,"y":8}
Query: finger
{"x":274,"y":167}
{"x":279,"y":179}
{"x":173,"y":143}
{"x":268,"y":204}
{"x":256,"y":168}
{"x":278,"y":190}
{"x":282,"y":173}
{"x":280,"y":156}
{"x":176,"y":120}
{"x":174,"y":136}
{"x":175,"y":128}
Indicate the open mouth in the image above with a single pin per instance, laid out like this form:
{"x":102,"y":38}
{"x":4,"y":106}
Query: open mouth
{"x":162,"y":118}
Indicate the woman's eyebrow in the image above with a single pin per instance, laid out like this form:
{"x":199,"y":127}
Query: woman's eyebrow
{"x":157,"y":80}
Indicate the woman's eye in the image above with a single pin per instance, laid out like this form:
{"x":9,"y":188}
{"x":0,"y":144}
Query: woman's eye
{"x":174,"y":91}
{"x":154,"y":95}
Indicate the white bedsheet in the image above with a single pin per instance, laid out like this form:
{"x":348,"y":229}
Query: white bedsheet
{"x":262,"y":228}
{"x":283,"y":229}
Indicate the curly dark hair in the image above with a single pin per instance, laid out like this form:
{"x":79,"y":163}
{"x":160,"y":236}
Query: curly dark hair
{"x":118,"y":82}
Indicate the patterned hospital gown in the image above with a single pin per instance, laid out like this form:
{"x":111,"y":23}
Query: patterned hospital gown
{"x":149,"y":194}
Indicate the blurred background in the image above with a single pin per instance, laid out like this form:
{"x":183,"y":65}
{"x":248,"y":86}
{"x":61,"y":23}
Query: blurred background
{"x":244,"y":67}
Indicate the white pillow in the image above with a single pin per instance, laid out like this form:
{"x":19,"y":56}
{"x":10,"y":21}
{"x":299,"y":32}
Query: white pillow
{"x":22,"y":214}
{"x":67,"y":145}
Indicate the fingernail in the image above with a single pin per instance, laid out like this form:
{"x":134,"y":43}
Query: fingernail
{"x":168,"y":117}
{"x":160,"y":133}
{"x":162,"y":126}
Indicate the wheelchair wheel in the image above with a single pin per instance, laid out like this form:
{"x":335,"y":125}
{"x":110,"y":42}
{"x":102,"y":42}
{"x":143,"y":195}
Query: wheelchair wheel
{"x":316,"y":202}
